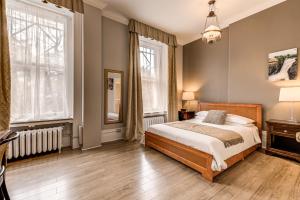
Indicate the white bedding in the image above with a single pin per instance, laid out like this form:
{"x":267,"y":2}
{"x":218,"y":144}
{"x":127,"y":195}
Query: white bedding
{"x":210,"y":144}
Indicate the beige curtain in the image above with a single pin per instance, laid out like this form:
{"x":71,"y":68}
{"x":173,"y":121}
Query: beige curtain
{"x":134,"y":123}
{"x":151,"y":32}
{"x":4,"y":71}
{"x":172,"y":85}
{"x":72,"y":5}
{"x":170,"y":40}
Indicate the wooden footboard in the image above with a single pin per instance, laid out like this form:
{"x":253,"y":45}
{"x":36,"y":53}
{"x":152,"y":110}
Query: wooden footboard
{"x":198,"y":160}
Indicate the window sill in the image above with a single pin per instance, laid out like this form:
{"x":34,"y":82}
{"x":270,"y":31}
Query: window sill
{"x":38,"y":123}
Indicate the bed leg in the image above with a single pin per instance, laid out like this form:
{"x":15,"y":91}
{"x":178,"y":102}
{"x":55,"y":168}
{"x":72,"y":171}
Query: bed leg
{"x":147,"y":146}
{"x":208,"y":176}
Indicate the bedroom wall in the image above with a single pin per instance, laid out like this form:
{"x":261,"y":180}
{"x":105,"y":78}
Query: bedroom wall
{"x":93,"y":74}
{"x":206,"y":68}
{"x":115,"y":54}
{"x":241,"y":71}
{"x":179,"y":73}
{"x":251,"y":40}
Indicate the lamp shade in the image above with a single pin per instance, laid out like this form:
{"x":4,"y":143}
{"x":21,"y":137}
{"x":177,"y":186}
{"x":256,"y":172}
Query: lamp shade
{"x":290,"y":94}
{"x":188,"y":96}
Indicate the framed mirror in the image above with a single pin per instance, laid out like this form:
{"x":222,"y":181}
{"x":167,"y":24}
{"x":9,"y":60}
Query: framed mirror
{"x":113,"y":95}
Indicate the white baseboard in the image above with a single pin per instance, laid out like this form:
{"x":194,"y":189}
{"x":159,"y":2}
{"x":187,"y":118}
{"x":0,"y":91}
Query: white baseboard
{"x":110,"y":135}
{"x":85,"y":149}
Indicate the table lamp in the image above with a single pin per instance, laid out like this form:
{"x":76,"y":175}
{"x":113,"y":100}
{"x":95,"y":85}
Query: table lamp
{"x":188,"y":96}
{"x":290,"y":94}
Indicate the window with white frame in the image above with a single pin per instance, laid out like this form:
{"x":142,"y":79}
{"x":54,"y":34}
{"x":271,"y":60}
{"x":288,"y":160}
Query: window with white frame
{"x":153,"y":63}
{"x":41,"y":48}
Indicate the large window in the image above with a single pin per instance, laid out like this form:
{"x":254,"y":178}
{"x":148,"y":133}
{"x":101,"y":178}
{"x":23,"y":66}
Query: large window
{"x":153,"y":58}
{"x":41,"y":48}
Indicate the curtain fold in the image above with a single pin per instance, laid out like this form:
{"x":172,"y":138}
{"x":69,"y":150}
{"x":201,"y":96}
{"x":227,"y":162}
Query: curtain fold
{"x":72,"y":5}
{"x":151,"y":32}
{"x":134,"y":123}
{"x":172,"y":85}
{"x":4,"y":71}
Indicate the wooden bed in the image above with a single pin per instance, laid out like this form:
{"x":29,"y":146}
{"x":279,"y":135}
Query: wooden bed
{"x":198,"y":160}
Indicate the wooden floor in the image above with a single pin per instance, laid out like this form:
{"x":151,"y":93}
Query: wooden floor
{"x":128,"y":171}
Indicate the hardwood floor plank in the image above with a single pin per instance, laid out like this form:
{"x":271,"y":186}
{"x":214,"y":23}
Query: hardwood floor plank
{"x":128,"y":171}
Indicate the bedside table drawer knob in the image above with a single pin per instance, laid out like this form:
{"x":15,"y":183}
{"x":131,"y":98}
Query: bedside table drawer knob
{"x":285,"y":131}
{"x":298,"y":137}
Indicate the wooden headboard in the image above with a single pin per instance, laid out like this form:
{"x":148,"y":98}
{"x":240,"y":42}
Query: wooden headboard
{"x":251,"y":111}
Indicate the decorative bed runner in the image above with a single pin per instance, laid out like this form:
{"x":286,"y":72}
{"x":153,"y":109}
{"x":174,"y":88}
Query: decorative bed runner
{"x":229,"y":138}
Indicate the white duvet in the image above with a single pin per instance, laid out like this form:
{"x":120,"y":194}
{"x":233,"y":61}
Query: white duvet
{"x":210,"y":144}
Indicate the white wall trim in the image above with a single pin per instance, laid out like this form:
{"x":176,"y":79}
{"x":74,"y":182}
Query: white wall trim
{"x":115,"y":16}
{"x":96,"y":3}
{"x":110,"y":135}
{"x":85,"y":149}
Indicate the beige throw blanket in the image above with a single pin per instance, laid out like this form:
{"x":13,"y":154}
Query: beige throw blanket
{"x":229,"y":138}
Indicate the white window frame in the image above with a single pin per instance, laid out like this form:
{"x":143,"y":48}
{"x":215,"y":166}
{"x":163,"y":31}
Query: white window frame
{"x":162,"y":62}
{"x":69,"y":75}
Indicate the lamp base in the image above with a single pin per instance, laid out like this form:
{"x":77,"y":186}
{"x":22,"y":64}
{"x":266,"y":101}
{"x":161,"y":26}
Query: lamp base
{"x":292,"y":118}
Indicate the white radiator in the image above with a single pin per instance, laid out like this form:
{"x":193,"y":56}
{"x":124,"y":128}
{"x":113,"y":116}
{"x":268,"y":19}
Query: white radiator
{"x":35,"y":141}
{"x":148,"y":121}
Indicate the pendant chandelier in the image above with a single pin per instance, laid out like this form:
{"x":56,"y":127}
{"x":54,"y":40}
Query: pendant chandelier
{"x":212,"y":31}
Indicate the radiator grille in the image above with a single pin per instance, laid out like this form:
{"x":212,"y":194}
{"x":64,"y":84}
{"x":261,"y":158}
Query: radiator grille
{"x":35,"y":141}
{"x":153,"y":120}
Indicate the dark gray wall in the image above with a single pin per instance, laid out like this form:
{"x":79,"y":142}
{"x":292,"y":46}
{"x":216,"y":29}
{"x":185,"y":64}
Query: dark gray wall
{"x":235,"y":69}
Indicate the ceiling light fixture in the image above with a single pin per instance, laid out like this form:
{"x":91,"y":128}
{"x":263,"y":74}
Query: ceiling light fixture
{"x":212,"y":31}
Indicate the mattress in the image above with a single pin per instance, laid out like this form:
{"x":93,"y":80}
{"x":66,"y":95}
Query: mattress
{"x":210,"y":144}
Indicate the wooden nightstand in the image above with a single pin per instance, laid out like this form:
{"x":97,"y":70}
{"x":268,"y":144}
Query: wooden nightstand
{"x":185,"y":115}
{"x":281,"y":139}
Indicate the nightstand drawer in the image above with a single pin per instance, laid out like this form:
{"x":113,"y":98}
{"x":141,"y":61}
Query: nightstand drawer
{"x":284,"y":134}
{"x":284,"y":129}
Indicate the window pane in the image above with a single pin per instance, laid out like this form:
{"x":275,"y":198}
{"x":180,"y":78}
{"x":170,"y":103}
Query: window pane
{"x":40,"y":61}
{"x":154,"y":76}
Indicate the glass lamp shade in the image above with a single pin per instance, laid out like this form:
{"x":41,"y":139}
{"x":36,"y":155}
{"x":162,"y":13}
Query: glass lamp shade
{"x":211,"y":34}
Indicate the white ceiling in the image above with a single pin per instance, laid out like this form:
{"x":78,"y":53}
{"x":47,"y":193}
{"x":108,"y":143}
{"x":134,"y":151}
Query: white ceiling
{"x":184,"y":18}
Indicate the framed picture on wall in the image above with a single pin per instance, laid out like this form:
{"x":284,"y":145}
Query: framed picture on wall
{"x":283,"y":65}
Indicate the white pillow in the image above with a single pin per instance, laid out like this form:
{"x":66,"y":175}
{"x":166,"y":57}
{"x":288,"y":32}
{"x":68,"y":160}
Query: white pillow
{"x":202,"y":113}
{"x":200,"y":117}
{"x":238,"y":119}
